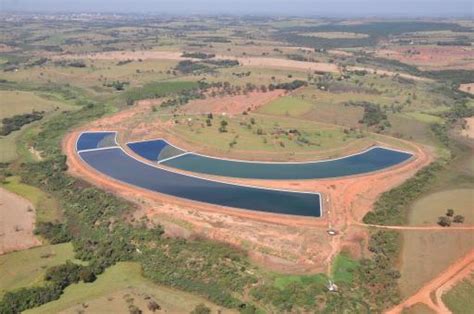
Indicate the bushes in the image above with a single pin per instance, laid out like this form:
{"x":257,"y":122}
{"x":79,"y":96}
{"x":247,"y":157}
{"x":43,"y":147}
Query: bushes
{"x":159,"y":89}
{"x":16,"y":122}
{"x":188,"y":67}
{"x":288,"y":86}
{"x":57,"y":278}
{"x":27,"y":298}
{"x":198,"y":55}
{"x":391,"y":207}
{"x":54,"y":233}
{"x":222,"y":63}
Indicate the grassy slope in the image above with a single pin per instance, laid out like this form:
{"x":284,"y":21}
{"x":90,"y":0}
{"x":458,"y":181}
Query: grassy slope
{"x":321,"y":136}
{"x":19,"y":102}
{"x":26,"y":268}
{"x":114,"y":283}
{"x":47,"y":208}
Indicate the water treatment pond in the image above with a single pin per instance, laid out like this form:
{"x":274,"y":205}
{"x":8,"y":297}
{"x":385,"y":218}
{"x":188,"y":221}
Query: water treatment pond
{"x":117,"y":164}
{"x":372,"y":159}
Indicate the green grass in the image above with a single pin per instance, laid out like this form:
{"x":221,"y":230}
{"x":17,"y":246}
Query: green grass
{"x":282,"y":281}
{"x":343,"y":268}
{"x":108,"y":292}
{"x":427,"y":209}
{"x":26,"y":268}
{"x":272,"y":139}
{"x":47,"y":207}
{"x":159,"y":89}
{"x":460,"y":299}
{"x":287,"y":105}
{"x":19,"y":102}
{"x":424,"y":117}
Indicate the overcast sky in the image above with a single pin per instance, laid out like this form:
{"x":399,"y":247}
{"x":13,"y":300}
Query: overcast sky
{"x":329,"y":8}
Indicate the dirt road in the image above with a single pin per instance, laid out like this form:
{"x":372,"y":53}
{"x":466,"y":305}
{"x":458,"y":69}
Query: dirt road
{"x":438,"y":285}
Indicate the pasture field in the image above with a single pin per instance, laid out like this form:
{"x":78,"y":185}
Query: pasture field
{"x":459,"y":299}
{"x":96,"y":75}
{"x":438,"y":248}
{"x":26,"y":268}
{"x":47,"y":207}
{"x":20,"y":102}
{"x":116,"y":289}
{"x":429,"y":208}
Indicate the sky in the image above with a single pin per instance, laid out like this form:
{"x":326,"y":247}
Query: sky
{"x":321,"y":8}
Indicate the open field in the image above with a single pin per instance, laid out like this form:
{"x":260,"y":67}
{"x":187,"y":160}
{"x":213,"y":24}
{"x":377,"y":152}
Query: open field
{"x":17,"y":223}
{"x":117,"y":289}
{"x":46,"y":206}
{"x":419,"y":247}
{"x":432,"y":57}
{"x":27,"y":268}
{"x":428,"y":209}
{"x":20,"y":102}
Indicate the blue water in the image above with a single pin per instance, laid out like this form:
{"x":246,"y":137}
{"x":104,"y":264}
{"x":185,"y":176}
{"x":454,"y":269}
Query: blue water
{"x":115,"y":163}
{"x":91,"y":140}
{"x":148,"y":149}
{"x":376,"y":158}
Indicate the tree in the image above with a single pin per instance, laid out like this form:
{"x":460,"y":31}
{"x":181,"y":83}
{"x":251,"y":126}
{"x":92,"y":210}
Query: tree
{"x":459,"y":219}
{"x":223,"y":127}
{"x":444,"y":221}
{"x":450,"y":212}
{"x":201,"y":309}
{"x":87,"y":275}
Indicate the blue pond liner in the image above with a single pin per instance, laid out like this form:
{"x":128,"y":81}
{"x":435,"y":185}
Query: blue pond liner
{"x":93,"y":140}
{"x":115,"y":163}
{"x":373,"y":159}
{"x":148,"y":149}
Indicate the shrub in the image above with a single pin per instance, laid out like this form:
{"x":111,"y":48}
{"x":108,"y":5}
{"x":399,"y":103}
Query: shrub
{"x":54,"y":233}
